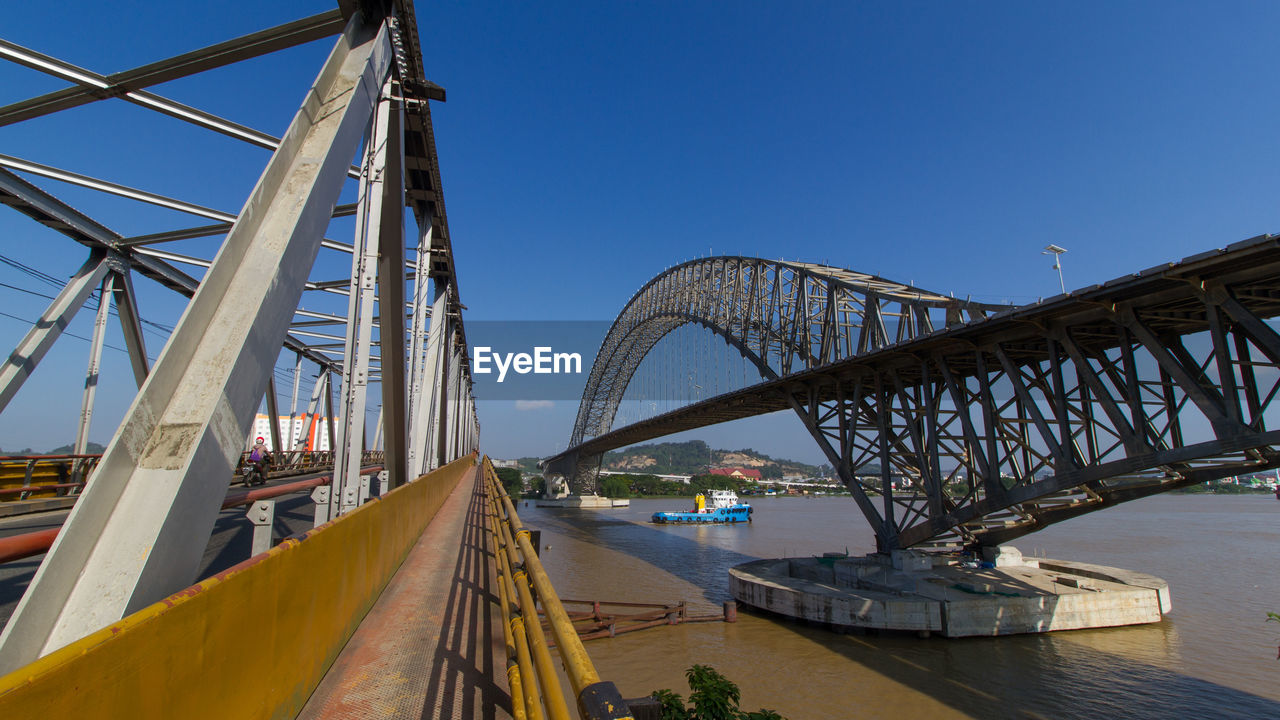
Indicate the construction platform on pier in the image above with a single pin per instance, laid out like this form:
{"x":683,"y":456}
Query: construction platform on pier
{"x":584,"y":502}
{"x":927,"y":593}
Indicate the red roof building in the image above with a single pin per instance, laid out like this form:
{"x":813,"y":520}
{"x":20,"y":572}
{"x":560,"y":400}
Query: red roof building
{"x":740,"y":473}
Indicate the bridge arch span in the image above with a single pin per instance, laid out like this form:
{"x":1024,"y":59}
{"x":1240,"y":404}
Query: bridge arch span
{"x":783,"y":317}
{"x":951,"y":430}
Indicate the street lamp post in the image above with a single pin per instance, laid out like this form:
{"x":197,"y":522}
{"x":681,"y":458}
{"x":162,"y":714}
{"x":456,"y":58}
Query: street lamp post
{"x":1056,"y":252}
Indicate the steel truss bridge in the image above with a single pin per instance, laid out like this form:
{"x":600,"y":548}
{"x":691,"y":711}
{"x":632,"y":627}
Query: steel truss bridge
{"x":994,"y":421}
{"x":255,"y":290}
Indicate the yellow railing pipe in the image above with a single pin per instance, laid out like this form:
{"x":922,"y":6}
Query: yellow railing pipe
{"x":577,"y":664}
{"x":515,"y":667}
{"x":596,"y":699}
{"x":552,"y":696}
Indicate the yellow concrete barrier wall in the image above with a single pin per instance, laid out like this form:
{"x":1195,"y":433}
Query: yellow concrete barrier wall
{"x":251,"y":642}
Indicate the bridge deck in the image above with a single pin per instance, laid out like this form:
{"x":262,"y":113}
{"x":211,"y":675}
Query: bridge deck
{"x":432,"y":645}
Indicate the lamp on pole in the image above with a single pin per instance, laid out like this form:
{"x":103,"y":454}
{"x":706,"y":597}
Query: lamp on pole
{"x":1056,"y":252}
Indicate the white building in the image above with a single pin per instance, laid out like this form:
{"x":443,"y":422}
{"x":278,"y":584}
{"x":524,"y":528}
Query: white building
{"x":318,"y":439}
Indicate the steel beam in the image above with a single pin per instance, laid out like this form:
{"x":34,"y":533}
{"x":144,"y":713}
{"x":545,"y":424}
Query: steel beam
{"x":423,"y":445}
{"x":273,"y":418}
{"x":377,"y":270}
{"x":131,"y":324}
{"x":27,"y":355}
{"x":94,"y":87}
{"x":391,"y":301}
{"x":95,"y":362}
{"x":139,"y":532}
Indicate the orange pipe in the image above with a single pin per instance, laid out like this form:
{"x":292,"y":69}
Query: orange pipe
{"x":17,"y":547}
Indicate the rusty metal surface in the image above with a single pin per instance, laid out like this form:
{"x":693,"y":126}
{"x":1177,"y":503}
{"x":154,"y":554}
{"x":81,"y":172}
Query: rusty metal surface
{"x":432,"y":645}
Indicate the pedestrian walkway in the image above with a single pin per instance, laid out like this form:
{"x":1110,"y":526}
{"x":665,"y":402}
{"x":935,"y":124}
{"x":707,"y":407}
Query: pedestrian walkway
{"x":432,"y":645}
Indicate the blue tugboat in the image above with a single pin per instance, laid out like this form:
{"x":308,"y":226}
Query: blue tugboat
{"x":721,"y":507}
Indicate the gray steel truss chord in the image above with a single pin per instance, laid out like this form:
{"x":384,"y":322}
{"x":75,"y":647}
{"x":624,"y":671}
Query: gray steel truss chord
{"x":377,"y":428}
{"x":423,"y":448}
{"x":444,"y":395}
{"x":841,"y":465}
{"x":98,"y":86}
{"x":1133,"y":443}
{"x":1251,"y":394}
{"x":293,"y":406}
{"x":273,"y":418}
{"x":391,"y":303}
{"x":95,"y":363}
{"x":95,"y":87}
{"x":331,"y":416}
{"x":67,"y":176}
{"x":1209,"y":403}
{"x":309,"y":430}
{"x":131,"y":323}
{"x":992,"y":484}
{"x":1266,"y":337}
{"x":363,"y":287}
{"x":1031,"y":408}
{"x":887,"y":539}
{"x":141,"y":529}
{"x":32,"y":348}
{"x":1222,"y":359}
{"x":419,"y":315}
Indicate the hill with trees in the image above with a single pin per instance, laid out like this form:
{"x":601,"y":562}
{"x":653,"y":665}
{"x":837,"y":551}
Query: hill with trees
{"x":695,"y":457}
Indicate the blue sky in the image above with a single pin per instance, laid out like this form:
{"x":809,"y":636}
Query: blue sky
{"x":586,"y":147}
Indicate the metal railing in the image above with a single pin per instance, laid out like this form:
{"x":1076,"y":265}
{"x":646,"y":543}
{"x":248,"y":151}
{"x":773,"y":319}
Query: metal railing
{"x":261,"y":514}
{"x":535,"y":687}
{"x":29,"y":477}
{"x":34,"y":477}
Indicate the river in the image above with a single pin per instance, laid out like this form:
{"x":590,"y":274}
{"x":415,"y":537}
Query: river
{"x":1214,"y":656}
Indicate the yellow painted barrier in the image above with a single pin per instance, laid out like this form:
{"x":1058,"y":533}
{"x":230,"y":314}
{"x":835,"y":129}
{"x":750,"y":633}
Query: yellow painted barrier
{"x":251,"y":642}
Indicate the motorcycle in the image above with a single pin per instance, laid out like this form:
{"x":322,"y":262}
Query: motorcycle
{"x":252,"y":476}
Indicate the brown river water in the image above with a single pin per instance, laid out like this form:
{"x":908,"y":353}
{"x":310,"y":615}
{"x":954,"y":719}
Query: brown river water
{"x":1214,"y":656}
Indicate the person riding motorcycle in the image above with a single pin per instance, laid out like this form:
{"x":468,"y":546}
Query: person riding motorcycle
{"x":260,"y":457}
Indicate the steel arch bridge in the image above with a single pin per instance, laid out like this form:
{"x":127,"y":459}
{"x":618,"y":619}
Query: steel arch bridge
{"x":960,"y":423}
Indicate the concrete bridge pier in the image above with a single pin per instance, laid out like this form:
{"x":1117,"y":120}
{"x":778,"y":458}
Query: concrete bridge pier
{"x":953,"y":595}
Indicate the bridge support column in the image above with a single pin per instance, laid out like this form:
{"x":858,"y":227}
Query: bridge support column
{"x":377,"y":268}
{"x":423,"y":445}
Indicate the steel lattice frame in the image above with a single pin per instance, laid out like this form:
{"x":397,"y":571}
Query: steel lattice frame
{"x":138,"y":531}
{"x":990,"y":429}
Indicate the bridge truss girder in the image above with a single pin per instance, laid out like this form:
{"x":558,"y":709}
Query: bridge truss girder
{"x":985,"y":431}
{"x":140,"y":528}
{"x":786,"y":317}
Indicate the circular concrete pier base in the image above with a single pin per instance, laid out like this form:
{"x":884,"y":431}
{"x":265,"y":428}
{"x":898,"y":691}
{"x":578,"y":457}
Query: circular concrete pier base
{"x":930,"y":593}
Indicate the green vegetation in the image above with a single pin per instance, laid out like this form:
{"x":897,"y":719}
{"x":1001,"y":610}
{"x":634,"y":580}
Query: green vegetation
{"x":621,"y":486}
{"x":511,"y":480}
{"x":712,"y":696}
{"x":614,"y":486}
